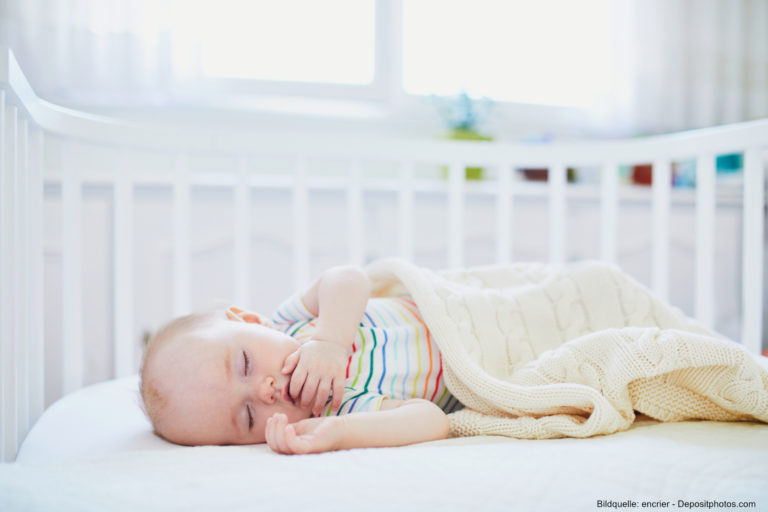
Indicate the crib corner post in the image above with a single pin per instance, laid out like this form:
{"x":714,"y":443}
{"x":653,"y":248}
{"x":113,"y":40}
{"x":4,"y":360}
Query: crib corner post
{"x":7,"y":390}
{"x":36,"y":283}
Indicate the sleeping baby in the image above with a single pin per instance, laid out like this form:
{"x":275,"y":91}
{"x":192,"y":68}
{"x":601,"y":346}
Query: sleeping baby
{"x":527,"y":350}
{"x":236,"y":377}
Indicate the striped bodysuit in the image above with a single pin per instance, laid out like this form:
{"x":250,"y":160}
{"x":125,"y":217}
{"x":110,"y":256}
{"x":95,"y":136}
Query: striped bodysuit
{"x":393,"y":355}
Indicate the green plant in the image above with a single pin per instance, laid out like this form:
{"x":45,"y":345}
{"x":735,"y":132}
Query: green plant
{"x":462,"y":114}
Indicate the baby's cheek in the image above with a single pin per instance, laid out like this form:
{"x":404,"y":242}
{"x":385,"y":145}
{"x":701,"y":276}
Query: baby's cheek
{"x":259,"y":432}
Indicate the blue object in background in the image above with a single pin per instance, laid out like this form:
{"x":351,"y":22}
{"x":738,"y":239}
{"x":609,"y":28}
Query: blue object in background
{"x":684,"y":174}
{"x":729,"y":163}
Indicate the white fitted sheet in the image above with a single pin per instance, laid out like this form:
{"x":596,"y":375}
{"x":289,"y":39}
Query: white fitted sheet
{"x":94,"y":450}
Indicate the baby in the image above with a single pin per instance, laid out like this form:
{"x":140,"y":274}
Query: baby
{"x":235,"y":377}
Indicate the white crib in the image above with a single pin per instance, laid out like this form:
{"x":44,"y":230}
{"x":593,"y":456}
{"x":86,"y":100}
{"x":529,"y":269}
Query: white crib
{"x":49,"y":156}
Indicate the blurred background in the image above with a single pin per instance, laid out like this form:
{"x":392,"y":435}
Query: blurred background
{"x":544,"y":69}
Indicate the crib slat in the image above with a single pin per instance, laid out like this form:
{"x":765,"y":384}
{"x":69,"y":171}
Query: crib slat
{"x":181,"y":237}
{"x":705,"y":245}
{"x":456,"y":215}
{"x":36,"y":314}
{"x":660,"y":258}
{"x":300,"y":221}
{"x":752,"y":251}
{"x":123,"y":334}
{"x":5,"y":314}
{"x":21,"y":279}
{"x":557,"y":210}
{"x":405,"y":212}
{"x":609,"y":211}
{"x":7,"y":307}
{"x":72,"y":285}
{"x":242,"y":235}
{"x":503,"y":210}
{"x":355,"y":216}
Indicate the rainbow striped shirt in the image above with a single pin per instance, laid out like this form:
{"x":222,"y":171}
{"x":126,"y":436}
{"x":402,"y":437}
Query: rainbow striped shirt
{"x":393,"y":354}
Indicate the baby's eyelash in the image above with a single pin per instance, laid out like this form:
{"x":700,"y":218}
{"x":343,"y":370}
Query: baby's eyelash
{"x":247,"y":408}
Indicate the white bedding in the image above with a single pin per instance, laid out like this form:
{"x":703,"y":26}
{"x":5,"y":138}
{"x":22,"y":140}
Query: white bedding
{"x":93,"y":450}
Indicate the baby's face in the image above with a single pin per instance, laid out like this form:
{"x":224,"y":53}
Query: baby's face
{"x":223,"y":382}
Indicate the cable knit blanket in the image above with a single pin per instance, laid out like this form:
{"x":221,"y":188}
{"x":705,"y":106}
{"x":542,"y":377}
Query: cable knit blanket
{"x":539,"y":351}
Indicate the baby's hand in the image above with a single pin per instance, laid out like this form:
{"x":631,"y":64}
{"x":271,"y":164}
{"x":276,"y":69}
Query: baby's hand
{"x":318,"y":367}
{"x":313,"y":435}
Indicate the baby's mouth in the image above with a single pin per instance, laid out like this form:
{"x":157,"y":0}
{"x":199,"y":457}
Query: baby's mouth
{"x":286,"y":396}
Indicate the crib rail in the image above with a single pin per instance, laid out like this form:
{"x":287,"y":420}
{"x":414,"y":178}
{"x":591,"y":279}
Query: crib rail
{"x":27,"y":122}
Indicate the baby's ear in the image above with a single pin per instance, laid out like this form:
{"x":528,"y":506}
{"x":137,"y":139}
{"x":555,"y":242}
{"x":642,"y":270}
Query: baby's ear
{"x":240,"y":315}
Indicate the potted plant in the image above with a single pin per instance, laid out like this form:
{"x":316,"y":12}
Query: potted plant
{"x":463,"y":115}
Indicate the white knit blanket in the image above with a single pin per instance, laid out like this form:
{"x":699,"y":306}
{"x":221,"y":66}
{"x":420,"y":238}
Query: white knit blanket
{"x":540,"y":351}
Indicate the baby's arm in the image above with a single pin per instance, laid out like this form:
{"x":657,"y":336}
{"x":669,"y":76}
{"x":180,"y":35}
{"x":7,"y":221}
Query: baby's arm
{"x":338,"y":299}
{"x":398,"y":423}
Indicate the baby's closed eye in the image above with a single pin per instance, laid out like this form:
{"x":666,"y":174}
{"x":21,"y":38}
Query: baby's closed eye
{"x":246,"y":367}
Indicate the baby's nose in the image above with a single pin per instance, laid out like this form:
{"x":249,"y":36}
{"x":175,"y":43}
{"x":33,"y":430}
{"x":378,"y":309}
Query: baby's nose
{"x":267,"y":391}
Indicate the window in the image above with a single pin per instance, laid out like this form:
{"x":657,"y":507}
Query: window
{"x":551,"y":52}
{"x":290,"y":40}
{"x":554,"y":52}
{"x":273,"y":54}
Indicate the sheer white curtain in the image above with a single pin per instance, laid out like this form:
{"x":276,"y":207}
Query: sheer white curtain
{"x":680,"y":63}
{"x":104,"y":51}
{"x":698,"y":63}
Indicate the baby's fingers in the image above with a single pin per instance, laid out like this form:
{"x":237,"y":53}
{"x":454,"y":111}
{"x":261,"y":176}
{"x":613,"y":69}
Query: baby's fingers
{"x":308,"y":393}
{"x":270,"y":434}
{"x":290,"y":363}
{"x":297,"y":383}
{"x":338,"y":393}
{"x":277,"y":423}
{"x":323,"y":390}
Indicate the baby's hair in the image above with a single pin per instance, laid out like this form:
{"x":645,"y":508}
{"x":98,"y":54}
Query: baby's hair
{"x":153,"y":401}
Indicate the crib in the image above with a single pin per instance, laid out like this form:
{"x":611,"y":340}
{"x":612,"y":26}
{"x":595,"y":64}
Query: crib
{"x":51,"y":158}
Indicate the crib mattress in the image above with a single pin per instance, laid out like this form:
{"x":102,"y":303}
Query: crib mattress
{"x":94,"y":450}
